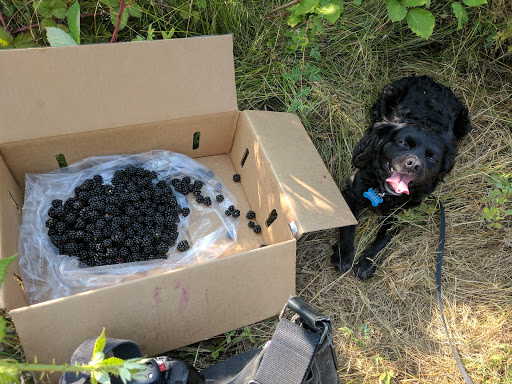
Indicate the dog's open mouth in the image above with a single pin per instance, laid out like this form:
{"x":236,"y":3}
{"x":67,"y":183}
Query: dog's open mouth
{"x":399,"y":181}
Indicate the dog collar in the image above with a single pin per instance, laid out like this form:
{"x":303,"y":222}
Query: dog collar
{"x":375,"y":197}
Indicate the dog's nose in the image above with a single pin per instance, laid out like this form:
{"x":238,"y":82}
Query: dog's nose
{"x":413,"y":164}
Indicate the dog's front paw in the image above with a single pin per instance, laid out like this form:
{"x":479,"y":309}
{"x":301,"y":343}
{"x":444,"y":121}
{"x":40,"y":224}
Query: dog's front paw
{"x":364,"y":268}
{"x":342,"y":259}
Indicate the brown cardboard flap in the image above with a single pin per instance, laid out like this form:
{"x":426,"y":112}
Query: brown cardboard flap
{"x":11,"y":201}
{"x":55,"y":91}
{"x":314,"y":199}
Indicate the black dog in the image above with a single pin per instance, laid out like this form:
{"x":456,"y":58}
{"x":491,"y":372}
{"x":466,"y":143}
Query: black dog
{"x":407,"y":150}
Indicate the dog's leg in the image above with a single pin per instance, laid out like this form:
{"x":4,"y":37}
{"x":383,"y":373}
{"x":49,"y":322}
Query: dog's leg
{"x":365,"y":267}
{"x":343,"y":255}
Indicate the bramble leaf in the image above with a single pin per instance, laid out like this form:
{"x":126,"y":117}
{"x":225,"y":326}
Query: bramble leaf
{"x":73,"y":18}
{"x":460,"y":13}
{"x":331,"y":11}
{"x":396,"y":11}
{"x":5,"y":39}
{"x":421,"y":22}
{"x":414,"y":3}
{"x":4,"y":263}
{"x":306,"y":6}
{"x":474,"y":3}
{"x":58,"y":38}
{"x":50,"y":8}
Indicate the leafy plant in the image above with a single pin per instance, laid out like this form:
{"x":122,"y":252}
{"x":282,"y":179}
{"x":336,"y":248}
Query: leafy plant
{"x":99,"y":367}
{"x":420,"y":20}
{"x":311,"y":15}
{"x":499,"y":201}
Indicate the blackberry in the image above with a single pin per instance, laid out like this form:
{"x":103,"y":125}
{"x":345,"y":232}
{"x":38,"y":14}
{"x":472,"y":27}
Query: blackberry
{"x":219,"y":198}
{"x":251,"y":215}
{"x":235,"y":213}
{"x":207,"y":201}
{"x":196,"y":193}
{"x":186,"y":180}
{"x":107,"y":243}
{"x":263,"y":245}
{"x":227,"y":212}
{"x":257,"y":229}
{"x":199,"y":199}
{"x":50,"y":223}
{"x":60,"y":227}
{"x":183,"y":246}
{"x":185,"y":212}
{"x":231,"y":208}
{"x":251,"y":224}
{"x":56,"y":203}
{"x":236,"y":178}
{"x":98,"y":179}
{"x":198,"y":184}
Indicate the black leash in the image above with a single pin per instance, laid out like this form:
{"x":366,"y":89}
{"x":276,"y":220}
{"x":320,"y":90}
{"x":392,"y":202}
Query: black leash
{"x":439,"y":264}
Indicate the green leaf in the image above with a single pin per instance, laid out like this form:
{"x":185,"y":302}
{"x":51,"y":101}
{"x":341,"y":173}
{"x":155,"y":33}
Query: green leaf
{"x":421,"y":22}
{"x":51,"y":8}
{"x":73,"y":18}
{"x":125,"y":375}
{"x":4,"y":263}
{"x":358,"y":2}
{"x":101,"y":377}
{"x":112,"y":361}
{"x":99,"y":345}
{"x":474,"y":3}
{"x":135,"y":10}
{"x":306,"y":6}
{"x":396,"y":11}
{"x":110,"y":3}
{"x":3,"y":324}
{"x":295,"y":19}
{"x":201,"y":4}
{"x":8,"y":373}
{"x":413,"y":3}
{"x":45,"y":23}
{"x":58,"y":38}
{"x":460,"y":13}
{"x":24,"y":41}
{"x":5,"y":39}
{"x":124,"y":18}
{"x":331,"y":12}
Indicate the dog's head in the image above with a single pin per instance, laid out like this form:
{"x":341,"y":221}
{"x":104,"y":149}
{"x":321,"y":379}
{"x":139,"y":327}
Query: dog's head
{"x":411,"y":141}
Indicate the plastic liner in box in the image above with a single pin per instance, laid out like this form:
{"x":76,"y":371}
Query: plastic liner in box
{"x":47,"y":275}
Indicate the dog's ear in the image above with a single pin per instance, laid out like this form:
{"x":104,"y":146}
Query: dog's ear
{"x":462,"y":123}
{"x":389,"y":98}
{"x":368,"y":148}
{"x":447,"y":162}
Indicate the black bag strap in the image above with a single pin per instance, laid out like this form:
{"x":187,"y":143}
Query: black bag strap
{"x":439,"y":265}
{"x":124,"y":349}
{"x":293,"y":346}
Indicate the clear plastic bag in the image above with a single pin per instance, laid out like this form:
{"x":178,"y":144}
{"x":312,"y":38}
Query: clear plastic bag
{"x":47,"y":275}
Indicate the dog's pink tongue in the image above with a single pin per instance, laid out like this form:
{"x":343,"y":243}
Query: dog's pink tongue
{"x":399,"y":182}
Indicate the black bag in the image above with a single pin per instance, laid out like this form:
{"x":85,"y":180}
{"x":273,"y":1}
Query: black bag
{"x":301,"y":351}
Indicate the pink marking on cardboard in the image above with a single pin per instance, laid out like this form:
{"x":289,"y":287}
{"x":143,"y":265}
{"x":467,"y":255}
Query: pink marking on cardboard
{"x":156,"y":295}
{"x":178,"y":284}
{"x":184,"y":299}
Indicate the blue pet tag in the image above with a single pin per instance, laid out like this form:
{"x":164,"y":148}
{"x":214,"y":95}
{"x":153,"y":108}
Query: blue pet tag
{"x":372,"y":196}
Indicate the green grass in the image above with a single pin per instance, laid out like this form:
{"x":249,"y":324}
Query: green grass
{"x":388,"y":325}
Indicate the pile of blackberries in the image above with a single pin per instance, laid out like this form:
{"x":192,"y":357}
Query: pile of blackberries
{"x":132,"y":219}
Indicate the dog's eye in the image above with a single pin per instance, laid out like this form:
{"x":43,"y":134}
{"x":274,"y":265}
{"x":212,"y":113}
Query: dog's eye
{"x":433,"y":159}
{"x":403,"y":143}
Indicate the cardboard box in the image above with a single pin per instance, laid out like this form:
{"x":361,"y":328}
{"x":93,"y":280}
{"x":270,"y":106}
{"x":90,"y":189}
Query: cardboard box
{"x":130,"y":98}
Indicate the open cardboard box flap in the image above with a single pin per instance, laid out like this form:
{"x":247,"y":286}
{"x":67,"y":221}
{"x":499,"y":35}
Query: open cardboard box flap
{"x":134,"y":97}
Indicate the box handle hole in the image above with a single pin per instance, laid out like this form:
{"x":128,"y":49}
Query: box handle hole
{"x":271,"y":218}
{"x":244,"y":157}
{"x":195,"y":140}
{"x":61,"y":160}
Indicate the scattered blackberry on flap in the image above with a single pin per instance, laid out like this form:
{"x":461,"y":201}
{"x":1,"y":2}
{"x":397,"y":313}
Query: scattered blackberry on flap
{"x":263,"y":245}
{"x":236,"y":178}
{"x":219,"y":198}
{"x":235,"y":213}
{"x":207,"y":201}
{"x":231,"y":208}
{"x":183,"y":246}
{"x":257,"y":229}
{"x":251,"y":224}
{"x":251,"y":215}
{"x":227,"y":212}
